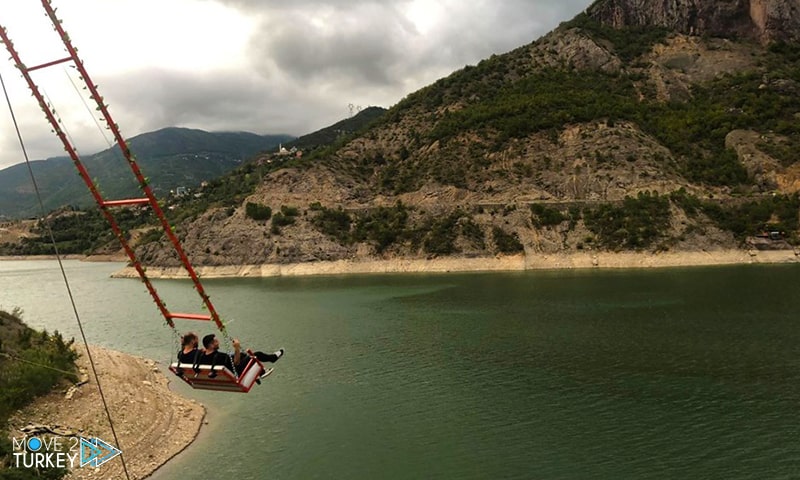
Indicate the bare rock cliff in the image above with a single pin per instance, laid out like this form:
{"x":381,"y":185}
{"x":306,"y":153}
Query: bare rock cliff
{"x":760,"y":20}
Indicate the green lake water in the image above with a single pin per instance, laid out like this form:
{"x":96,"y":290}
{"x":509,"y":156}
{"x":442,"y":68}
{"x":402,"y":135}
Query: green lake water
{"x":630,"y":374}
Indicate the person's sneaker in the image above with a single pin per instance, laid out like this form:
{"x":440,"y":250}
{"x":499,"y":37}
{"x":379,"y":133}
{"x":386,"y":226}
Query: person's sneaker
{"x":279,"y":354}
{"x":264,"y":373}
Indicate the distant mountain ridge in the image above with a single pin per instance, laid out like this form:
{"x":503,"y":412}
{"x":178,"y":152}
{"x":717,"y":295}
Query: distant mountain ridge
{"x":170,"y":157}
{"x":328,"y":135}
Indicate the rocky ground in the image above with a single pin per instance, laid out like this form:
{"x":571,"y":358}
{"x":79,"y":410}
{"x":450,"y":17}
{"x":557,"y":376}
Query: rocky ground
{"x":152,"y":423}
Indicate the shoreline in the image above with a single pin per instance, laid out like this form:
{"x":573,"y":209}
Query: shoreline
{"x":506,"y":263}
{"x":70,"y":256}
{"x":153,"y":423}
{"x":512,"y":263}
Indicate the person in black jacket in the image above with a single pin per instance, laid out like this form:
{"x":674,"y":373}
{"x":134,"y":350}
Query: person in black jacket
{"x":189,"y":352}
{"x":212,"y":356}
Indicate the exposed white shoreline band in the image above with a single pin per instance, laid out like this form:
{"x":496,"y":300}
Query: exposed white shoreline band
{"x":587,"y":260}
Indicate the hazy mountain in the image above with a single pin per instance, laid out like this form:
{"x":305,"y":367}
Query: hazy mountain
{"x":170,"y":157}
{"x":339,"y":130}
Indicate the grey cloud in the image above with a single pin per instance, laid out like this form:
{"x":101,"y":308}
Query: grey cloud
{"x":224,"y":101}
{"x":353,"y":46}
{"x":309,"y":59}
{"x":260,"y":5}
{"x":372,"y":43}
{"x":40,"y":143}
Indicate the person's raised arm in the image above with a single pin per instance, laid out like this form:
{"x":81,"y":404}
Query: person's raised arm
{"x":237,"y":352}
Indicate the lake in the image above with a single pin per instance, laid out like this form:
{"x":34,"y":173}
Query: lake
{"x":606,"y":374}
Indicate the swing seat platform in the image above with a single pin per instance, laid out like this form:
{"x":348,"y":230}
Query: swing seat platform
{"x":219,"y":377}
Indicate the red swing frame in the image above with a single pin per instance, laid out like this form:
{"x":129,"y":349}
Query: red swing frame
{"x":199,"y":376}
{"x":224,"y":380}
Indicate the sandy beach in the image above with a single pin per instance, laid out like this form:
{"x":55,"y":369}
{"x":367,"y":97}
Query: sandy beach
{"x":582,"y":260}
{"x":152,"y":423}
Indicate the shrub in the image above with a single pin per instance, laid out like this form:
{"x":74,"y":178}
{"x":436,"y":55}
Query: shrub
{"x":506,"y":242}
{"x":44,"y":359}
{"x":718,"y":168}
{"x":473,"y":233}
{"x":289,"y":211}
{"x":774,"y":213}
{"x":256,"y":211}
{"x":383,"y":226}
{"x":687,"y":202}
{"x":441,"y":235}
{"x":544,"y":216}
{"x":281,"y":220}
{"x":334,"y":223}
{"x":634,"y":225}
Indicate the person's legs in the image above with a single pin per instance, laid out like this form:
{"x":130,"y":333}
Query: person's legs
{"x":268,"y":357}
{"x":243,"y":361}
{"x":262,"y":357}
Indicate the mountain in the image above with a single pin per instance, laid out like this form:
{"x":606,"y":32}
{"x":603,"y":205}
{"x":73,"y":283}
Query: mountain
{"x":637,"y":125}
{"x":329,"y":135}
{"x":171,"y":157}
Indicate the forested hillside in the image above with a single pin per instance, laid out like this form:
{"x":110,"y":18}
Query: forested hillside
{"x":171,"y":157}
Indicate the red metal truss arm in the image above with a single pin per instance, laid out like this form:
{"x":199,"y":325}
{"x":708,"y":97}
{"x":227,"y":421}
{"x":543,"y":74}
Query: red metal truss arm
{"x":129,"y":157}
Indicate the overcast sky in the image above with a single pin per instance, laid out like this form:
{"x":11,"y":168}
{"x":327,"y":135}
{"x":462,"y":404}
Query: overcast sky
{"x":252,"y":65}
